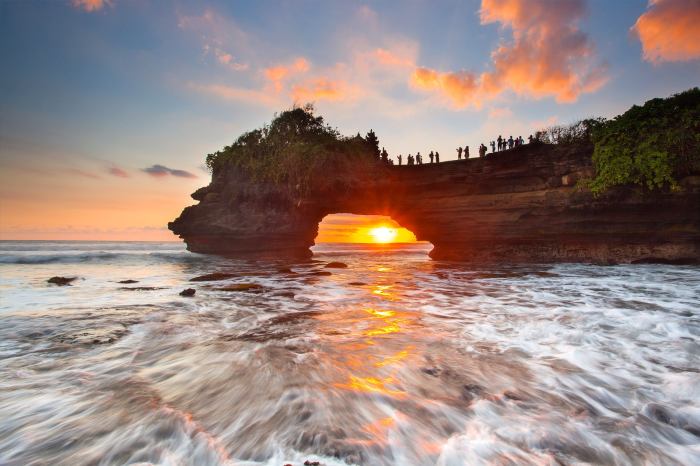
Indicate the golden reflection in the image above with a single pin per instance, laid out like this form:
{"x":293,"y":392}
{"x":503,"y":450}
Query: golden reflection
{"x":381,"y":268}
{"x":371,"y":385}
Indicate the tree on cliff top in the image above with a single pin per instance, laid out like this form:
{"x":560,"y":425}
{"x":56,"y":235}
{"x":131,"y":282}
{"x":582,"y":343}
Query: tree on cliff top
{"x":651,"y":146}
{"x":296,"y":148}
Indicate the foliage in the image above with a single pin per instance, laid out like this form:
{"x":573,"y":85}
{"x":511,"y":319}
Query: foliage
{"x":650,"y":146}
{"x":293,"y":149}
{"x":373,"y":142}
{"x":580,"y":132}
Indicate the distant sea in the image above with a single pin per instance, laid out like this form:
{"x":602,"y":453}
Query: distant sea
{"x":394,"y":359}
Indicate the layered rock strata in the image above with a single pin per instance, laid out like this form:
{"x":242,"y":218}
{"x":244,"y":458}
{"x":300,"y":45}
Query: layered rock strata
{"x":522,"y":205}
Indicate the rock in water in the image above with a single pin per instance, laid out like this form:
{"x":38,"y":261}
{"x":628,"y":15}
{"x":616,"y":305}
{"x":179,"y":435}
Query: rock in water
{"x":188,"y":292}
{"x":61,"y":281}
{"x":212,"y":277}
{"x":127,"y":282}
{"x":336,"y":265}
{"x":253,"y":287}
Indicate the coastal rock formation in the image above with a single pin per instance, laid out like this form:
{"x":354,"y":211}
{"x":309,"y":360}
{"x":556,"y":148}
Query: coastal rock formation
{"x":521,"y":205}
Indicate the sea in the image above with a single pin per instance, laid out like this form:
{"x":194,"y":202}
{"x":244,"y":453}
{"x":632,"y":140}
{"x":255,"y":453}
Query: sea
{"x":388,"y":358}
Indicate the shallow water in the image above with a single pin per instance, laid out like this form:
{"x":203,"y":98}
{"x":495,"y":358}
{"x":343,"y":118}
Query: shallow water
{"x":395,"y":360}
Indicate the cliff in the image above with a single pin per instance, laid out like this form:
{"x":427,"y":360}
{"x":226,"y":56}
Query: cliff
{"x":520,"y":205}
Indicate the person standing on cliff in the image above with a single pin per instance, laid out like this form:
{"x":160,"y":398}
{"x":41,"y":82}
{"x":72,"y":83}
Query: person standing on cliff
{"x":500,"y":143}
{"x":511,"y":142}
{"x":459,"y":153}
{"x":437,"y":157}
{"x":385,"y":155}
{"x":466,"y":152}
{"x":399,"y":158}
{"x":493,"y":146}
{"x":431,"y":157}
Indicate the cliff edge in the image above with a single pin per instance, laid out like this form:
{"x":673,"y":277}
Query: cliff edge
{"x":521,"y":205}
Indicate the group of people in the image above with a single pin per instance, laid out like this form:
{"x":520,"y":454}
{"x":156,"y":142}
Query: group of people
{"x":500,"y":144}
{"x":418,"y":158}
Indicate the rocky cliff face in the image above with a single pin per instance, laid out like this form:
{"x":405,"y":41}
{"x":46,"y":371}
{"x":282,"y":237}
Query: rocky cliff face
{"x":515,"y":206}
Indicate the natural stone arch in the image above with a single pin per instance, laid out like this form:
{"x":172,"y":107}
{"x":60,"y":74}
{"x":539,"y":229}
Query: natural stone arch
{"x":522,"y":205}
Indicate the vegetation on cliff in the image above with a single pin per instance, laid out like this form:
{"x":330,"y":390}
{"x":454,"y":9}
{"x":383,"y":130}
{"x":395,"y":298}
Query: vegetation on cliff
{"x":651,"y":146}
{"x":294,"y":149}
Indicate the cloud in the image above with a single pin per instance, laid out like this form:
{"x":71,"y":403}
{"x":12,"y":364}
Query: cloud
{"x":548,"y":55}
{"x":321,"y":89}
{"x":90,"y":5}
{"x":277,"y":74}
{"x":670,"y":30}
{"x":118,"y":172}
{"x":233,"y":93}
{"x":221,"y":37}
{"x":460,"y":87}
{"x":160,"y":171}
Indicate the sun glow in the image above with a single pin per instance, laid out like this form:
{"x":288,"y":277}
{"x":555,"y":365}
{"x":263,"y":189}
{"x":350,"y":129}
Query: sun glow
{"x":383,"y":234}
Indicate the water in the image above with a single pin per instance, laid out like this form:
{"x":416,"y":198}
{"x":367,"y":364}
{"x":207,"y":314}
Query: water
{"x":395,"y":360}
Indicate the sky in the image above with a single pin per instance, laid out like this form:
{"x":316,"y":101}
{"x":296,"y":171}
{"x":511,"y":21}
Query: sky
{"x":109,"y":107}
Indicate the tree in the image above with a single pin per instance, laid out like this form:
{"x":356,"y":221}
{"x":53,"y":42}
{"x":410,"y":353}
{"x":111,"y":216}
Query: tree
{"x":373,"y":142}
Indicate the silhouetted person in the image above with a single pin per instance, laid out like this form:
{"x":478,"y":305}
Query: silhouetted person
{"x":529,"y":139}
{"x":431,"y":156}
{"x":493,"y":146}
{"x":419,"y":158}
{"x":510,"y":142}
{"x":459,"y":153}
{"x":500,"y":142}
{"x":399,"y":158}
{"x":466,"y":152}
{"x":409,"y":159}
{"x":522,"y":141}
{"x":437,"y":157}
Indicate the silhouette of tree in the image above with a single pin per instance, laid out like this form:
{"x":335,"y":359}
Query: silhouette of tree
{"x":373,"y":142}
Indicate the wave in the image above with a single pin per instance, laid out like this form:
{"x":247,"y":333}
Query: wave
{"x":87,"y":257}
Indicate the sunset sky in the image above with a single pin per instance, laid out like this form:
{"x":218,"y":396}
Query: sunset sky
{"x":108,"y":107}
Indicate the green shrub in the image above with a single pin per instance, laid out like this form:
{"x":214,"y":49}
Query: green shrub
{"x":296,"y":149}
{"x":651,"y":146}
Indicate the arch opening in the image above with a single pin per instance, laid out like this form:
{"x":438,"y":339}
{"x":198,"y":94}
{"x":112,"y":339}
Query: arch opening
{"x":367,"y":233}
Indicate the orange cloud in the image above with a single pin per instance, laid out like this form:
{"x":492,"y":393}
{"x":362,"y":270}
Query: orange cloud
{"x":222,"y":91}
{"x":459,"y":87}
{"x":547,"y":56}
{"x":319,"y":89}
{"x":669,"y":30}
{"x":277,"y":74}
{"x":90,"y":5}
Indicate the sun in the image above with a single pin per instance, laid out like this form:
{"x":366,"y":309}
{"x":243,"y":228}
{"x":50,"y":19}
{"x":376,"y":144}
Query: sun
{"x":383,"y":234}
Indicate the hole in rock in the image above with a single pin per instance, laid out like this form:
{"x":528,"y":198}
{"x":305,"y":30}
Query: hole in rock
{"x":366,"y":232}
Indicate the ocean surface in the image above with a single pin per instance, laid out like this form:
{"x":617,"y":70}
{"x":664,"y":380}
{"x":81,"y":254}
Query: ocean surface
{"x":394,"y":360}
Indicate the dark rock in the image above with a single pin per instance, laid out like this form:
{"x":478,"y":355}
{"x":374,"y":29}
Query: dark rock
{"x":432,"y":371}
{"x":471,"y":391}
{"x":212,"y":277}
{"x":357,"y":283}
{"x":511,"y":395}
{"x":188,"y":292}
{"x":127,"y":282}
{"x":500,"y":208}
{"x":61,"y":281}
{"x":250,"y":287}
{"x":319,"y":273}
{"x":336,"y":265}
{"x":141,"y":288}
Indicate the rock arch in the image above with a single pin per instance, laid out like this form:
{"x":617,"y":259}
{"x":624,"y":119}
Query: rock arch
{"x":521,"y":205}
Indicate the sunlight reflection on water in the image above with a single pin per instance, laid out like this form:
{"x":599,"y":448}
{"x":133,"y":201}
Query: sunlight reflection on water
{"x":396,"y":360}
